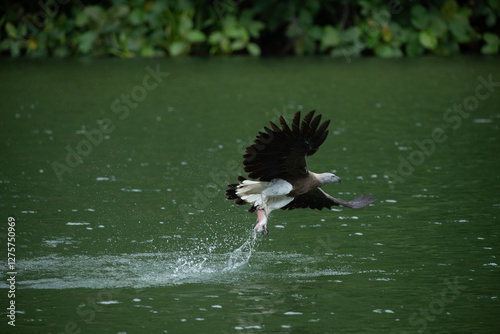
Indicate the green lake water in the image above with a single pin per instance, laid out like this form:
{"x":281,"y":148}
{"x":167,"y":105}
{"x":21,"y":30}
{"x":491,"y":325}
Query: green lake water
{"x":115,"y":173}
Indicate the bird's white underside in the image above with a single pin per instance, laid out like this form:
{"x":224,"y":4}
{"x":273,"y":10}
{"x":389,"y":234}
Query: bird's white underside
{"x":267,"y":196}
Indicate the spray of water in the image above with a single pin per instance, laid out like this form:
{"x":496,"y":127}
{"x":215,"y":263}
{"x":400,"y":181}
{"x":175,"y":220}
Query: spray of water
{"x":202,"y":262}
{"x":242,"y":254}
{"x":211,"y":263}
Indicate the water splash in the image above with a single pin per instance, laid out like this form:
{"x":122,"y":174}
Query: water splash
{"x":242,"y":254}
{"x":185,"y":267}
{"x":205,"y":262}
{"x":210,"y":263}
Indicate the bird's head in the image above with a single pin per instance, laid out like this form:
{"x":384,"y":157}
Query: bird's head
{"x":326,"y":178}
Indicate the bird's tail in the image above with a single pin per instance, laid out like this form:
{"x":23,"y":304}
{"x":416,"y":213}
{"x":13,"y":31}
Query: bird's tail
{"x":246,"y":192}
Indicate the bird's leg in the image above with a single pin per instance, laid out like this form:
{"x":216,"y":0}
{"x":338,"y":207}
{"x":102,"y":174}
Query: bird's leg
{"x":261,"y":225}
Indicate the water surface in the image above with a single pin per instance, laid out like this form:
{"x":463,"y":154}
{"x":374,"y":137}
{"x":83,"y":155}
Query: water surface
{"x":115,"y":172}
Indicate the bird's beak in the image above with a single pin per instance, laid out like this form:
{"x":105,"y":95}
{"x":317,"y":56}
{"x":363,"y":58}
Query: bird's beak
{"x":337,"y":179}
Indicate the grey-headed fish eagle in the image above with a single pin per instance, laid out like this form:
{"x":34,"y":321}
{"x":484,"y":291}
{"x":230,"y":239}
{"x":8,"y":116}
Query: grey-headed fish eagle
{"x":277,"y":163}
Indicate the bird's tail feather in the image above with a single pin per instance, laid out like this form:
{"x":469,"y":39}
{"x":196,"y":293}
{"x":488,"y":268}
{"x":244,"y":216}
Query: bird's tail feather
{"x":246,"y":192}
{"x":231,"y":192}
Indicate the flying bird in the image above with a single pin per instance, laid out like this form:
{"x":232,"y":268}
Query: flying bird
{"x":281,"y":180}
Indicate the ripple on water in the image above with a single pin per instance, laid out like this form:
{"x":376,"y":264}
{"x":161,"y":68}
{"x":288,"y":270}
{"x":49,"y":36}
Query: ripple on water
{"x":200,"y":265}
{"x":133,"y":270}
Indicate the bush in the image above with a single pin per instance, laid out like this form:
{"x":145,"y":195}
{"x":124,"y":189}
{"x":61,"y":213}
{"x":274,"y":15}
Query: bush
{"x":389,"y":28}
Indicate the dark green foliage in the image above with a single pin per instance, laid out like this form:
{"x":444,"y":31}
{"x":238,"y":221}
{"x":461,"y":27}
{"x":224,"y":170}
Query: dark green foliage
{"x":347,"y":28}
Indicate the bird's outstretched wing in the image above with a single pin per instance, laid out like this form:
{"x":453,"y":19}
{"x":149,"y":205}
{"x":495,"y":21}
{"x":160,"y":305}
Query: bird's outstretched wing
{"x":318,"y":199}
{"x":281,"y":152}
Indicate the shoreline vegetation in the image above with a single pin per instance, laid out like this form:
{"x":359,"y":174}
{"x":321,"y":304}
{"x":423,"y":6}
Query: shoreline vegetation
{"x":349,"y":28}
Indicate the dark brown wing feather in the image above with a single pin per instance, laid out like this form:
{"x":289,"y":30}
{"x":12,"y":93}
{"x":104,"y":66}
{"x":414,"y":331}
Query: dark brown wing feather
{"x":281,"y":152}
{"x":318,"y":199}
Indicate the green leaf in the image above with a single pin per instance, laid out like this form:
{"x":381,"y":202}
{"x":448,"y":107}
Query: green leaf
{"x":414,"y":48}
{"x":294,"y":30}
{"x":15,"y":51}
{"x":438,"y":25}
{"x":215,"y":37}
{"x":491,"y":38}
{"x":148,"y":51}
{"x":495,"y":4}
{"x":365,"y":7}
{"x":371,"y":39}
{"x":449,"y":9}
{"x":134,"y":43}
{"x":460,"y":28}
{"x":315,"y":32}
{"x":399,"y":35}
{"x":195,"y":36}
{"x":305,"y":17}
{"x":118,"y":11}
{"x":351,"y":34}
{"x":329,"y":38}
{"x":255,"y":27}
{"x":185,"y":25}
{"x":225,"y":46}
{"x":86,"y":41}
{"x":22,"y":30}
{"x":11,"y":30}
{"x":384,"y":51}
{"x":386,"y":33}
{"x":229,"y":20}
{"x":491,"y":17}
{"x":238,"y":44}
{"x":253,"y":49}
{"x":176,"y":48}
{"x":96,"y":14}
{"x":419,"y":17}
{"x":492,"y":44}
{"x":428,"y":39}
{"x":157,"y":7}
{"x":81,"y":18}
{"x":61,"y":52}
{"x":137,"y":16}
{"x":236,"y":32}
{"x":489,"y":50}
